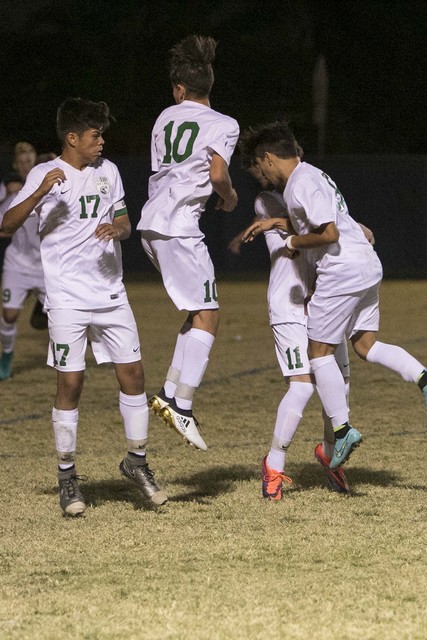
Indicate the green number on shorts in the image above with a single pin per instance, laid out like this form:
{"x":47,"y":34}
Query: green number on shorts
{"x":65,"y":348}
{"x":298,"y":364}
{"x":93,"y":202}
{"x":172,"y":148}
{"x":210,"y":291}
{"x":6,"y":295}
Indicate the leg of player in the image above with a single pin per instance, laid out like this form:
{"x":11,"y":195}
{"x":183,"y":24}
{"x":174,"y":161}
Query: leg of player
{"x":324,"y":451}
{"x":65,"y":416}
{"x":200,"y":338}
{"x":134,"y":411}
{"x":289,"y":414}
{"x":331,"y":389}
{"x":161,"y":399}
{"x":8,"y":330}
{"x":393,"y":357}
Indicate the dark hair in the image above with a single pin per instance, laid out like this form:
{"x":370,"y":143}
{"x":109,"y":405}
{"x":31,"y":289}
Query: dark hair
{"x":191,"y":64}
{"x":76,"y":115}
{"x":13,"y":177}
{"x":275,"y":137}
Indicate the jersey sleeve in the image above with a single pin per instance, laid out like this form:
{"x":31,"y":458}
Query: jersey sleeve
{"x":32,"y":183}
{"x":224,"y":138}
{"x":315,"y":200}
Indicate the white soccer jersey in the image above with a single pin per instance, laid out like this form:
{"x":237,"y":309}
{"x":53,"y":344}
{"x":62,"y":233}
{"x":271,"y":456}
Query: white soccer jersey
{"x":183,"y":140}
{"x":349,"y":265}
{"x":288,"y":286}
{"x":80,"y":271}
{"x":23,"y":252}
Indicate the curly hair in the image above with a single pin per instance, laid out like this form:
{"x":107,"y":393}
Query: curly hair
{"x":77,"y":115}
{"x":275,"y":137}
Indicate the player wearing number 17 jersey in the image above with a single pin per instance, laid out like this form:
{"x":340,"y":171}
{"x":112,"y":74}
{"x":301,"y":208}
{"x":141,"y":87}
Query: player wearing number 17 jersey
{"x":191,"y":148}
{"x":78,"y":199}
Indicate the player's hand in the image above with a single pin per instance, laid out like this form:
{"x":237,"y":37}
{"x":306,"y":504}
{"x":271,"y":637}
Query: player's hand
{"x":227,"y":204}
{"x":55,"y":176}
{"x":107,"y":231}
{"x":235,"y":245}
{"x":256,"y":228}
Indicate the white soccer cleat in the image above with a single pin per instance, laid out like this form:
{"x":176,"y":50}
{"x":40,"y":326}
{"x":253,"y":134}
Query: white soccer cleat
{"x":184,"y":423}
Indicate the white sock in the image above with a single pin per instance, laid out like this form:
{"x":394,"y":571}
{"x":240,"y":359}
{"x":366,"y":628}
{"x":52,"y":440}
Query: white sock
{"x":134,"y":411}
{"x":7,"y":335}
{"x":289,"y":414}
{"x":65,"y":432}
{"x":396,"y":359}
{"x":195,"y":361}
{"x":328,"y":432}
{"x":330,"y":386}
{"x":172,"y":376}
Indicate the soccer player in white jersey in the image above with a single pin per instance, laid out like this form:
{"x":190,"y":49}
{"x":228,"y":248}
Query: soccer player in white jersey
{"x":348,"y":275}
{"x":22,"y":275}
{"x":191,"y":148}
{"x":79,"y":200}
{"x":290,"y":283}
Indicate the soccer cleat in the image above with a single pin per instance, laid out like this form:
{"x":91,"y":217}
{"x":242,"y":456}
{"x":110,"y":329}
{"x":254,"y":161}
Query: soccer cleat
{"x":184,"y":423}
{"x":158,"y":402}
{"x":6,"y":365}
{"x":336,"y":478}
{"x":344,"y":446}
{"x":272,"y":481}
{"x":70,"y":497}
{"x":143,"y":477}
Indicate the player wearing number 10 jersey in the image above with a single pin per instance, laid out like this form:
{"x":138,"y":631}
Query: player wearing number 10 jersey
{"x":78,"y":199}
{"x":190,"y":151}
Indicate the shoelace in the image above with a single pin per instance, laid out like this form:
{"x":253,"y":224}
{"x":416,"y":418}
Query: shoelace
{"x":271,"y":478}
{"x":71,"y":485}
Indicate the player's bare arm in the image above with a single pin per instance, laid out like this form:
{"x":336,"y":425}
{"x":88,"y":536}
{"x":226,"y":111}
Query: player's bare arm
{"x":120,"y":229}
{"x":283,"y":224}
{"x":17,"y":215}
{"x":221,"y":183}
{"x":322,"y":236}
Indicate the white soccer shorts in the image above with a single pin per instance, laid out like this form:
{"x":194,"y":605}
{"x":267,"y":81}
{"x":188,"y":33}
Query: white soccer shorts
{"x":333,"y":318}
{"x":112,"y":332}
{"x":16,"y":287}
{"x":186,"y":268}
{"x":291,"y":343}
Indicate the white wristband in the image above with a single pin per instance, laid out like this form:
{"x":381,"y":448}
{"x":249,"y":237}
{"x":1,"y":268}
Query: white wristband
{"x":288,"y":243}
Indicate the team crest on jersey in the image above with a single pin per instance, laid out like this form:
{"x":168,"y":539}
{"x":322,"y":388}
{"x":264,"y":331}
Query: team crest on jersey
{"x":102,"y":185}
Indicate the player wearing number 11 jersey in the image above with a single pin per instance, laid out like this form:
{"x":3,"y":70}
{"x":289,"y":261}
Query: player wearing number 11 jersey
{"x":191,"y":148}
{"x":78,"y":199}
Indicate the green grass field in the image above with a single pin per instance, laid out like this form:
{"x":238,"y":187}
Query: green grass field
{"x":217,"y":562}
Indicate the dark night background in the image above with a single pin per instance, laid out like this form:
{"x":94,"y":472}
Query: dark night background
{"x":116,"y":51}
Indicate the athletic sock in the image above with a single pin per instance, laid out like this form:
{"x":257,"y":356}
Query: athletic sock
{"x":195,"y":361}
{"x":289,"y":414}
{"x":174,"y":371}
{"x":7,"y":335}
{"x":396,"y":359}
{"x":65,"y":432}
{"x":330,"y":386}
{"x":134,"y":411}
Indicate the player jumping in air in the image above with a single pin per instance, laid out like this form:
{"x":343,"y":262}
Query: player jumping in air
{"x":191,"y":147}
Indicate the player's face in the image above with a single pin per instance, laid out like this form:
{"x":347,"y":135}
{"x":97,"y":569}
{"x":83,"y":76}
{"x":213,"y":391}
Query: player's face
{"x":268,"y":170}
{"x":256,"y":173}
{"x":89,"y":145}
